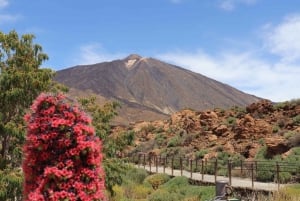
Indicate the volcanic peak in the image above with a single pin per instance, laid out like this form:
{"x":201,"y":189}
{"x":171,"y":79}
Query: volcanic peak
{"x":131,"y":60}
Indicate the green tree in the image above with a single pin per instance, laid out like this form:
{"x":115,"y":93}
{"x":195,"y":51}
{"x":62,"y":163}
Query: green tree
{"x":114,"y":167}
{"x":21,"y":80}
{"x":101,"y":115}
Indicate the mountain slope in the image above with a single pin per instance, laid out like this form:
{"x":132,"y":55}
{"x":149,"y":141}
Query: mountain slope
{"x":147,"y":84}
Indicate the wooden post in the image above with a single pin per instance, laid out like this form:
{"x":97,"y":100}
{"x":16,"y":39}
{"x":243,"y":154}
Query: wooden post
{"x":241,"y":168}
{"x":216,"y":169}
{"x":139,"y":158}
{"x":150,"y":157}
{"x":252,"y":175}
{"x":277,"y":174}
{"x":172,"y":166}
{"x":196,"y":165}
{"x":229,"y":171}
{"x":181,"y":166}
{"x":156,"y":162}
{"x":191,"y":167}
{"x":256,"y":167}
{"x":159,"y":159}
{"x":144,"y":161}
{"x":202,"y":169}
{"x":165,"y":160}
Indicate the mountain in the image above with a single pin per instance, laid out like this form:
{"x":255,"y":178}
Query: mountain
{"x":149,"y":88}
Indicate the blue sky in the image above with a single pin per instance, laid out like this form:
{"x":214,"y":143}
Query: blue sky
{"x":252,"y":45}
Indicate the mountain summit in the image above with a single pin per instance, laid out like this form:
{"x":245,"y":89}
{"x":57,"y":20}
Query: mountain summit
{"x":131,"y":60}
{"x":149,"y":88}
{"x":133,"y":56}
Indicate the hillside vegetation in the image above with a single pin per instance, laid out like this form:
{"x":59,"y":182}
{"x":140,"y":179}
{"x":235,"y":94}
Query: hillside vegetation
{"x":260,"y":131}
{"x":243,"y":131}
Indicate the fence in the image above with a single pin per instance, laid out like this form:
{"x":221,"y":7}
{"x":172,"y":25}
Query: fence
{"x":257,"y":172}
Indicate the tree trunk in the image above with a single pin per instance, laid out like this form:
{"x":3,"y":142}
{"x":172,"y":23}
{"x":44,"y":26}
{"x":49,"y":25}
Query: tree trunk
{"x":3,"y":147}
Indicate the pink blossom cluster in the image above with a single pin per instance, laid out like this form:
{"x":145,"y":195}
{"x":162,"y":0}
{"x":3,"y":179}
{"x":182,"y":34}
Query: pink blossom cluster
{"x":62,"y":155}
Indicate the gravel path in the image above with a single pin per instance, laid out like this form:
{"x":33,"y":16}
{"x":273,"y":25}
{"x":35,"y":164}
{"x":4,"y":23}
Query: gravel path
{"x":235,"y":181}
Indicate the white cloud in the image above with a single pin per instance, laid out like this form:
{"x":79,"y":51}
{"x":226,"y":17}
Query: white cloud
{"x":284,"y":39}
{"x":94,"y":53}
{"x":249,"y":70}
{"x":6,"y":18}
{"x":243,"y":70}
{"x":274,"y":78}
{"x":176,"y":1}
{"x":3,"y":3}
{"x":230,"y":5}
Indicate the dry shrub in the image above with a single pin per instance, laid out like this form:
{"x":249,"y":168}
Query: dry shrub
{"x":157,"y":179}
{"x":294,"y":140}
{"x":246,"y":173}
{"x":291,"y":193}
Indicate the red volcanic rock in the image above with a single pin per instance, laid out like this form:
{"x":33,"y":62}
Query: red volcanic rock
{"x":220,"y":129}
{"x":276,"y":145}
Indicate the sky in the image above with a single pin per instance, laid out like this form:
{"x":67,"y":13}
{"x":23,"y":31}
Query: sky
{"x":252,"y":45}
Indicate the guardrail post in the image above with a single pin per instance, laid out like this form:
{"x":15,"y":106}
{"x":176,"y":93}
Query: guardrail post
{"x":241,"y":168}
{"x":191,"y":167}
{"x":159,"y":159}
{"x":150,"y":157}
{"x":165,"y":160}
{"x":216,"y":169}
{"x":180,"y":160}
{"x":144,"y":161}
{"x":172,"y":164}
{"x":202,"y":169}
{"x":156,"y":162}
{"x":256,"y":167}
{"x":277,"y":174}
{"x":138,"y":160}
{"x":252,"y":175}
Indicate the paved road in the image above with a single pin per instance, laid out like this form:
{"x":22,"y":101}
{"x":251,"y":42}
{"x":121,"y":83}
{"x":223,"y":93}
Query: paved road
{"x":235,"y":181}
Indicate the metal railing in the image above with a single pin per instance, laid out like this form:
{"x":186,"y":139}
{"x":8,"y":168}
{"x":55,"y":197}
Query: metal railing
{"x":271,"y":172}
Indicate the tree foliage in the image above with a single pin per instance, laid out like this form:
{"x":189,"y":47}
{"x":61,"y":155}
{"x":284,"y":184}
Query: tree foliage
{"x":21,"y":80}
{"x":112,"y":145}
{"x":10,"y":184}
{"x":101,"y":115}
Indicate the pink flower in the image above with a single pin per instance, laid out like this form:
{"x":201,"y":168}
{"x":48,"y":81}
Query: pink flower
{"x":62,"y":155}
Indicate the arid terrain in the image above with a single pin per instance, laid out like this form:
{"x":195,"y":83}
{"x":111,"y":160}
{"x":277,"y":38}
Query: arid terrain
{"x":238,"y":130}
{"x":176,"y":111}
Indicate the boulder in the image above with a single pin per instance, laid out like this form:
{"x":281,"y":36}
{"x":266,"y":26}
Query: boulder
{"x":219,"y":130}
{"x":275,"y":146}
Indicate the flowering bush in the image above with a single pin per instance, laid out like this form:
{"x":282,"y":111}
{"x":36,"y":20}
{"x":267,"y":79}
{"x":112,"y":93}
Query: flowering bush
{"x":62,"y":155}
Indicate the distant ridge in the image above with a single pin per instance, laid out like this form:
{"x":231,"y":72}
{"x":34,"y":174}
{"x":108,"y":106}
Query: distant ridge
{"x":149,"y":88}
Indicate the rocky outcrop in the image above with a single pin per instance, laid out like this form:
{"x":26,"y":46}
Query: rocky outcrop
{"x":260,"y":108}
{"x":235,"y":131}
{"x":276,"y":146}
